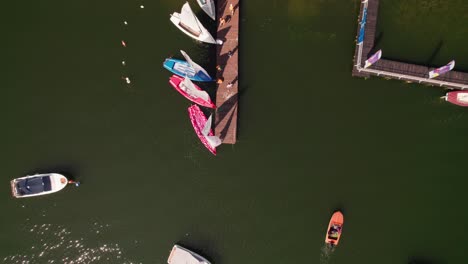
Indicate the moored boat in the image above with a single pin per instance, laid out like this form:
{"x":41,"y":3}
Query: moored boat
{"x":188,"y":23}
{"x":209,"y":7}
{"x":38,"y":184}
{"x":191,"y":91}
{"x":335,"y":227}
{"x":202,"y":128}
{"x":457,"y":97}
{"x":187,"y":68}
{"x":442,"y":70}
{"x":180,"y":255}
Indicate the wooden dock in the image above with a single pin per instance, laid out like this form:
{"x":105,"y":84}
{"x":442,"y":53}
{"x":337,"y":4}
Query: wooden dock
{"x":394,"y":69}
{"x":227,"y":59}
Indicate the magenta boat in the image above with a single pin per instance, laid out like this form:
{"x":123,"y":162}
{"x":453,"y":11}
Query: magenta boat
{"x":202,"y":127}
{"x":457,"y":97}
{"x":191,"y":91}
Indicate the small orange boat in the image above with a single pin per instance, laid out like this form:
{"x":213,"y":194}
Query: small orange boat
{"x":335,"y":227}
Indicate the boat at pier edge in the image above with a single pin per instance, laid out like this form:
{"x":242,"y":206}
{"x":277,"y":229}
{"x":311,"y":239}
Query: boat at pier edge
{"x":188,"y":23}
{"x":335,"y":227}
{"x":38,"y":184}
{"x":191,"y":91}
{"x":180,"y":255}
{"x":187,"y":68}
{"x":202,"y":128}
{"x":209,"y":7}
{"x":457,"y":97}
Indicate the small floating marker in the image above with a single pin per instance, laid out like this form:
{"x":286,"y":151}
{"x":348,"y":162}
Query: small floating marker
{"x":123,"y":63}
{"x":125,"y":23}
{"x":123,"y":43}
{"x":142,"y":6}
{"x":127,"y":80}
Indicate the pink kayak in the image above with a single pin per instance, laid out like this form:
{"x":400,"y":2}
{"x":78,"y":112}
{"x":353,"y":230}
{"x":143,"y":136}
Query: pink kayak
{"x":191,"y":91}
{"x":457,"y":97}
{"x":202,"y":127}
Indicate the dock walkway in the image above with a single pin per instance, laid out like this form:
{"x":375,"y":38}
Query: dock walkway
{"x":227,"y":59}
{"x":394,"y":69}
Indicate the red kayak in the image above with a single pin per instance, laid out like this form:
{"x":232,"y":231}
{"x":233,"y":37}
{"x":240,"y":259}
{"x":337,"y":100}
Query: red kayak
{"x":202,"y":127}
{"x":191,"y":91}
{"x":457,"y":97}
{"x":335,"y":227}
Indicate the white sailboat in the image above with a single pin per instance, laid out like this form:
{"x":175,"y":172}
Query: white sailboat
{"x":209,"y":7}
{"x":188,"y":23}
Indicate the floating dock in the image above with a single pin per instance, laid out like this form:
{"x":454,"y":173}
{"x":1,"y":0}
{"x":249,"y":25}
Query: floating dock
{"x":227,"y":59}
{"x":393,"y":69}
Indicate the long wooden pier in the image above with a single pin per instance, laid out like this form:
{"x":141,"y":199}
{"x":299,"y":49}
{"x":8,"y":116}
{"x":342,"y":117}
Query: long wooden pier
{"x":227,"y":60}
{"x":394,"y":69}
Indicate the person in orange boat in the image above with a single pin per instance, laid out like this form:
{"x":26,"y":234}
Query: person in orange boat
{"x":334,"y":231}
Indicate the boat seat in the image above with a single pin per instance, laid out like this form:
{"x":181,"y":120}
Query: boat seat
{"x":184,"y":69}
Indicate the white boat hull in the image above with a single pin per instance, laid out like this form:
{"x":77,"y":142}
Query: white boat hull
{"x":180,"y":255}
{"x":38,"y":184}
{"x":209,"y":7}
{"x":204,"y":35}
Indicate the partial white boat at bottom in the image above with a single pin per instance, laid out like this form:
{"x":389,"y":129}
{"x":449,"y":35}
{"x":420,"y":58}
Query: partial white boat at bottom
{"x":180,"y":255}
{"x":38,"y":184}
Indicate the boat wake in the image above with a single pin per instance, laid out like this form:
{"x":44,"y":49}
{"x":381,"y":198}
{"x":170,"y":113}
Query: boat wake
{"x":325,"y":253}
{"x":56,"y":244}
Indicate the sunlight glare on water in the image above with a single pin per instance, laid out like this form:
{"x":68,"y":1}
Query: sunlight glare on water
{"x":56,"y":244}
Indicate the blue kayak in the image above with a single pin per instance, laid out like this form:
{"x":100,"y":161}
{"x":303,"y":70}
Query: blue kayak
{"x":184,"y":69}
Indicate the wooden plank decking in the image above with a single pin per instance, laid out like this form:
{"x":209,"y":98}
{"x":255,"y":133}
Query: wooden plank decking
{"x":394,"y":69}
{"x":227,"y":59}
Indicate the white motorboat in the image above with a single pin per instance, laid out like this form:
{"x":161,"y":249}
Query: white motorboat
{"x":180,"y":255}
{"x":188,"y":23}
{"x":38,"y":184}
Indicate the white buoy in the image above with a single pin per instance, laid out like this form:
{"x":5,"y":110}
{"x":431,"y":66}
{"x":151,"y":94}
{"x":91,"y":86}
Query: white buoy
{"x":142,"y":6}
{"x":125,"y":23}
{"x":123,"y":63}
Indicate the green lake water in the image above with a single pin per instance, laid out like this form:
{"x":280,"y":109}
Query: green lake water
{"x":425,"y":32}
{"x":311,"y":139}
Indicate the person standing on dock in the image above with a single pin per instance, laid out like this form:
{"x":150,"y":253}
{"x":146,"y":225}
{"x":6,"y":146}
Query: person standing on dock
{"x":222,"y":21}
{"x":231,"y":9}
